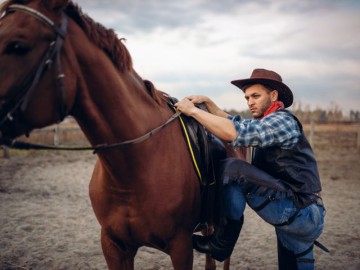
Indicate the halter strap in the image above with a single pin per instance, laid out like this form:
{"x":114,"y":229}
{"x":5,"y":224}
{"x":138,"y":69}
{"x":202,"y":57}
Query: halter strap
{"x":25,"y":91}
{"x":40,"y":16}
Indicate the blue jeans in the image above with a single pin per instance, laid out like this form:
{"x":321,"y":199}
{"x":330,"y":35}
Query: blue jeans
{"x":297,"y":237}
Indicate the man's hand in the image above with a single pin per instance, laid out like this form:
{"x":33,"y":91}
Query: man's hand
{"x":216,"y":123}
{"x":186,"y":106}
{"x":196,"y":99}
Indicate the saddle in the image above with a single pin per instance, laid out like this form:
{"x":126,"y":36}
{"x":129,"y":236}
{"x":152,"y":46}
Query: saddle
{"x":205,"y":149}
{"x":206,"y":152}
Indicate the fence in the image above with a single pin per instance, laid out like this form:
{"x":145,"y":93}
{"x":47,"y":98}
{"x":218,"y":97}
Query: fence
{"x":336,"y":134}
{"x":69,"y":134}
{"x":63,"y":134}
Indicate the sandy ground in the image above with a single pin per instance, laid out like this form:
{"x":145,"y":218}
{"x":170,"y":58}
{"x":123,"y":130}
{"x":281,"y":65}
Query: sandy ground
{"x":47,"y":220}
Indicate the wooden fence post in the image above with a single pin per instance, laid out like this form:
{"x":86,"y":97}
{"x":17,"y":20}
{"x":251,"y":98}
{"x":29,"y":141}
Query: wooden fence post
{"x":358,"y":137}
{"x":57,"y":132}
{"x":6,"y":152}
{"x":312,"y":132}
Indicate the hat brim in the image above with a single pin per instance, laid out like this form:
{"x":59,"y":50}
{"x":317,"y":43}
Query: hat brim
{"x":285,"y":94}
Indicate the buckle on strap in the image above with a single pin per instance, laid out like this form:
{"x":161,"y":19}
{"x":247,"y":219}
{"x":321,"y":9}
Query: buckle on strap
{"x":319,"y":201}
{"x":269,"y":199}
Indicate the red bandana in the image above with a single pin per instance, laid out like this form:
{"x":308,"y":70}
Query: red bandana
{"x":277,"y":105}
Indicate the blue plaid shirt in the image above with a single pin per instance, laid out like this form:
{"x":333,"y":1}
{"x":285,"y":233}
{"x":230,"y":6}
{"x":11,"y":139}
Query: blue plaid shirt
{"x":275,"y":129}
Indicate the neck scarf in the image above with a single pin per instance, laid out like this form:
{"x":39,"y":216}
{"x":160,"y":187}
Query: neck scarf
{"x":277,"y":105}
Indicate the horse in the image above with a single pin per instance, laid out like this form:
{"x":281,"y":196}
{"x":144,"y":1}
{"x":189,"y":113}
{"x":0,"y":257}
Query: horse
{"x":56,"y":61}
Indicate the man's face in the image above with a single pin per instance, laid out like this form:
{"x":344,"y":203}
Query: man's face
{"x":259,"y":99}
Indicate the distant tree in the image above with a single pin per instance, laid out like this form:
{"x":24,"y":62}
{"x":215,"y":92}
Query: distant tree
{"x":335,"y":114}
{"x":245,"y":114}
{"x":355,"y":116}
{"x":306,"y":115}
{"x":319,"y":116}
{"x":233,"y":112}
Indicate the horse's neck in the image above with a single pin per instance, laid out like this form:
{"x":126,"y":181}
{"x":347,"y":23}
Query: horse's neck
{"x":113,"y":106}
{"x":107,"y":108}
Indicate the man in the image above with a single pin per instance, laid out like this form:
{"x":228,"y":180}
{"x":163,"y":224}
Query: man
{"x":282,"y":182}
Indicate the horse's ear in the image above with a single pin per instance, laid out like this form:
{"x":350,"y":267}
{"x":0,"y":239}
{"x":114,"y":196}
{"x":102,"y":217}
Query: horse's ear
{"x":57,"y":4}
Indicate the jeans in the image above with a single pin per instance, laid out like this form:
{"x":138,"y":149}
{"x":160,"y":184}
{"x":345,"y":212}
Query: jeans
{"x":298,"y":236}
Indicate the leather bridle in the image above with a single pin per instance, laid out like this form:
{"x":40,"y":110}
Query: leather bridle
{"x":21,"y":94}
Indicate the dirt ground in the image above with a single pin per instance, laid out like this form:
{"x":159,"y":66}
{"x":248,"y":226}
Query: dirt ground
{"x":47,"y":221}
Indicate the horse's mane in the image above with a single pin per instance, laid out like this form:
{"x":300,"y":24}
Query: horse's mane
{"x":104,"y":38}
{"x":107,"y":40}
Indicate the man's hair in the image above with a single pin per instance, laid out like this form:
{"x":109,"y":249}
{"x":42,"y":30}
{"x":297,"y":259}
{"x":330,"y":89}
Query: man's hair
{"x":268,"y":87}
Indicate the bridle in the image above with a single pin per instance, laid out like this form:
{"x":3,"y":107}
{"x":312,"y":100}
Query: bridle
{"x":22,"y":94}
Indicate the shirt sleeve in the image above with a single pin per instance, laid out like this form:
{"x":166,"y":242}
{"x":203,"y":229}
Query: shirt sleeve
{"x":276,"y":129}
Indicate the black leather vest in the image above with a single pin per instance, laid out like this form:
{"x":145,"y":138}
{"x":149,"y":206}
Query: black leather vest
{"x":296,"y":167}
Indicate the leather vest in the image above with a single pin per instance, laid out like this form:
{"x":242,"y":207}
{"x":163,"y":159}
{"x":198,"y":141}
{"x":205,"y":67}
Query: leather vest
{"x":296,"y":167}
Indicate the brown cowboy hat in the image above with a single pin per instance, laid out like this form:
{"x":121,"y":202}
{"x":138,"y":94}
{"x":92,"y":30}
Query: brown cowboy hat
{"x":268,"y":78}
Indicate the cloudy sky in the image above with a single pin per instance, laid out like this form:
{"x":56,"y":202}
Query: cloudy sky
{"x":199,"y":46}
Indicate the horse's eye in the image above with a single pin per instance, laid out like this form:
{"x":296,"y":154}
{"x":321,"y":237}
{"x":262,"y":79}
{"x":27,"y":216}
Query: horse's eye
{"x":17,"y":48}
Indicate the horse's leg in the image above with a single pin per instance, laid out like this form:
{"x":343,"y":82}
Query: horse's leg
{"x":117,"y":257}
{"x":227,"y":264}
{"x":181,"y":252}
{"x":210,"y":263}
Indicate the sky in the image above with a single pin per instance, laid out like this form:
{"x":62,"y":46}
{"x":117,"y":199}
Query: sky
{"x":198,"y":46}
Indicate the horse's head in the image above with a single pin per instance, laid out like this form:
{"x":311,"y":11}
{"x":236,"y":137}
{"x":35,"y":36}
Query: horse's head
{"x":34,"y":91}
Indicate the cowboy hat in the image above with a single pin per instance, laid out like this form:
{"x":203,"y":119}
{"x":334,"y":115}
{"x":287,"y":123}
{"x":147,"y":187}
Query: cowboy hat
{"x":268,"y":78}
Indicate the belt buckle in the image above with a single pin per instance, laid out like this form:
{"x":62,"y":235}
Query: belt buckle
{"x":319,"y":201}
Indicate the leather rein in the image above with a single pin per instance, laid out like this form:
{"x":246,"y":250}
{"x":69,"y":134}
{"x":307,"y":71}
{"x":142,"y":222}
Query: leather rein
{"x":21,"y":95}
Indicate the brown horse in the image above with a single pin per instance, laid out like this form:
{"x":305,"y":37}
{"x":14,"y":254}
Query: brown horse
{"x":56,"y":61}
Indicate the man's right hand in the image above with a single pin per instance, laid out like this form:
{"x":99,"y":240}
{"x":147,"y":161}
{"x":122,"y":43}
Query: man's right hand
{"x":210,"y":105}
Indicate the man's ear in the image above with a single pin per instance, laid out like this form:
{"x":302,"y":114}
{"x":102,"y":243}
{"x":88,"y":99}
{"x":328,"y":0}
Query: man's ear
{"x":274,"y":95}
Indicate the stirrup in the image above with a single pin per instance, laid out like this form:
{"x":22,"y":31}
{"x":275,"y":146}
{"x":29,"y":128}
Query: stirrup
{"x":201,"y":226}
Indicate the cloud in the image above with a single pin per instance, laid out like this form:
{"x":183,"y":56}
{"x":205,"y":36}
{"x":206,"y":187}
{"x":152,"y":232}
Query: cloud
{"x":187,"y":47}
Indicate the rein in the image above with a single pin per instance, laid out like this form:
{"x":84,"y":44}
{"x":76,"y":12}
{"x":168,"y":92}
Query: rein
{"x":27,"y":146}
{"x":23,"y":93}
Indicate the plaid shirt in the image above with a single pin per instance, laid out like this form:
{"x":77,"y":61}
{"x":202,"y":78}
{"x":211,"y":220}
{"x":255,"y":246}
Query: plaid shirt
{"x":275,"y":129}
